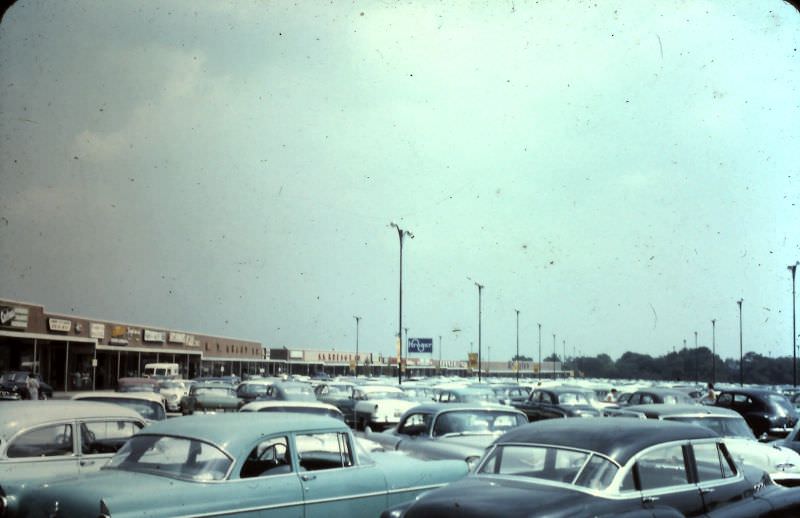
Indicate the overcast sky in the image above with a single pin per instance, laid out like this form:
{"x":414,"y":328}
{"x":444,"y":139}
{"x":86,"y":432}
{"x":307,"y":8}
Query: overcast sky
{"x":621,"y":173}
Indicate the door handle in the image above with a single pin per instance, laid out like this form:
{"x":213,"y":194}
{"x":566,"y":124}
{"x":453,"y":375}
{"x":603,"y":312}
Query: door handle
{"x":308,"y":476}
{"x":87,"y":463}
{"x":706,"y":490}
{"x":649,"y":499}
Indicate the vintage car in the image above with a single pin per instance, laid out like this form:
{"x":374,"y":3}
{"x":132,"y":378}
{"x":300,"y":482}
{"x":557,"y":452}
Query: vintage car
{"x":767,"y":413}
{"x":252,"y":389}
{"x":467,"y":395}
{"x":173,"y":391}
{"x":658,"y":395}
{"x":148,"y":404}
{"x":289,"y":391}
{"x":449,"y":430}
{"x":297,"y":407}
{"x":615,"y":467}
{"x":244,"y":464}
{"x":340,"y":395}
{"x":138,"y":385}
{"x":208,"y":397}
{"x":50,"y":440}
{"x":419,"y":393}
{"x":508,"y":393}
{"x":783,"y":464}
{"x":16,"y":382}
{"x":558,"y":402}
{"x":379,"y":406}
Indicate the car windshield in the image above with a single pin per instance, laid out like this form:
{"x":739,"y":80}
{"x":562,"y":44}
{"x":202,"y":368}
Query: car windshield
{"x":254,"y":388}
{"x":724,"y":426}
{"x":478,"y":396}
{"x":173,"y":457}
{"x":150,"y":410}
{"x":572,"y":398}
{"x":329,"y":412}
{"x":298,"y":389}
{"x":551,"y":463}
{"x":476,"y":421}
{"x":135,"y":387}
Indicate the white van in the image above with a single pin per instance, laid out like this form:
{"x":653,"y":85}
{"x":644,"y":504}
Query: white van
{"x":162,"y":370}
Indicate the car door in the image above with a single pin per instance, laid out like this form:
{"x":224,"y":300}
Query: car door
{"x":99,"y":440}
{"x":46,"y":451}
{"x":267,"y":483}
{"x":717,"y":477}
{"x":664,"y":480}
{"x":334,"y":484}
{"x":413,"y":433}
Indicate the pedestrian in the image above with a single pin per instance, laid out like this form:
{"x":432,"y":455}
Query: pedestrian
{"x":33,"y":387}
{"x":712,"y":394}
{"x":611,"y":397}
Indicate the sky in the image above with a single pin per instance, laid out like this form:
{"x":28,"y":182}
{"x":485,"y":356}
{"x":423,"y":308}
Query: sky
{"x":619,"y":172}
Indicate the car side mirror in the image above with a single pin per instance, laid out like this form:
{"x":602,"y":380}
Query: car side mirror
{"x":763,"y":437}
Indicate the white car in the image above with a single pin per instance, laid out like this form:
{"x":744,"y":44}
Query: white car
{"x":379,"y":406}
{"x":172,"y":392}
{"x":149,"y":405}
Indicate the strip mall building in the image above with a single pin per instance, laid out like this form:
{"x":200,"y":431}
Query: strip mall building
{"x":77,"y":353}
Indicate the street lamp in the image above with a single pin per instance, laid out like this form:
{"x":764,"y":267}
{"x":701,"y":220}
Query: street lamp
{"x":741,"y":349}
{"x":517,"y":359}
{"x":696,"y":375}
{"x":713,"y":351}
{"x":540,"y":351}
{"x":793,"y":269}
{"x":480,"y":291}
{"x":357,"y":320}
{"x":400,"y":235}
{"x":440,"y":354}
{"x":554,"y":356}
{"x":564,"y":359}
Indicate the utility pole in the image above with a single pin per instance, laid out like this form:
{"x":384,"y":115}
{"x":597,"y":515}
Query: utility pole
{"x":517,"y":359}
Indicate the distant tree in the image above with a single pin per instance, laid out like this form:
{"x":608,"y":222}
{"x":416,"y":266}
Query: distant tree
{"x":521,"y":358}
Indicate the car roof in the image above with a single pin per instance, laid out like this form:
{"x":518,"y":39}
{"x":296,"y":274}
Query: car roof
{"x":662,"y":390}
{"x":750,"y":391}
{"x":378,"y":388}
{"x":16,"y":415}
{"x":662,"y":410}
{"x":254,"y":406}
{"x":564,"y":389}
{"x":110,"y":394}
{"x":617,"y":439}
{"x":236,"y":432}
{"x":469,"y":390}
{"x":435,"y":408}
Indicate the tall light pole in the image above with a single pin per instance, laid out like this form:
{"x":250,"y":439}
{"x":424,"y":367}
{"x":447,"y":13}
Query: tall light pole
{"x":696,"y":374}
{"x":793,"y":269}
{"x":401,"y":234}
{"x":741,"y":349}
{"x":540,"y":351}
{"x":357,"y":320}
{"x":713,"y":351}
{"x":480,"y":364}
{"x":564,"y":359}
{"x":554,"y":356}
{"x":517,"y":359}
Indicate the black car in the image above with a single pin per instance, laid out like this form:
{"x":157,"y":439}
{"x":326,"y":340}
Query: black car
{"x":16,"y":382}
{"x":340,"y":395}
{"x":615,"y":467}
{"x":556,"y":402}
{"x":657,"y":395}
{"x":765,"y":411}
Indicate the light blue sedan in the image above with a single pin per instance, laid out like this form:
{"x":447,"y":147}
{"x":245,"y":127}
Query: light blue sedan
{"x":246,"y":464}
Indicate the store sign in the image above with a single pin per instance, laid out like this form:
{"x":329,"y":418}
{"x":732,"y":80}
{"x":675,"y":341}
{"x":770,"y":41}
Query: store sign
{"x":420,"y":345}
{"x":295,"y":355}
{"x":192,"y":341}
{"x":118,"y":331}
{"x":14,"y":317}
{"x":59,"y":324}
{"x":133,"y":333}
{"x":153,"y":336}
{"x":177,"y":338}
{"x":118,"y":341}
{"x":97,"y":330}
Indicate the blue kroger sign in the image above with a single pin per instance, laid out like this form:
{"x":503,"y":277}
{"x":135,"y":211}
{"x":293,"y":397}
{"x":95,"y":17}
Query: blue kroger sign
{"x":420,"y":345}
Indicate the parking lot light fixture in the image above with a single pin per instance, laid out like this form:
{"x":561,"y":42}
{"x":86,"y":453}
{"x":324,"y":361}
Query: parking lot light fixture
{"x":793,"y":269}
{"x":741,"y":347}
{"x":401,"y":234}
{"x":358,"y":319}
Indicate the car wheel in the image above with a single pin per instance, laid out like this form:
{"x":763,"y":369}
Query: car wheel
{"x":42,"y":396}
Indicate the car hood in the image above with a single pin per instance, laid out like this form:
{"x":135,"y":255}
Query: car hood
{"x":493,"y":496}
{"x":472,"y":440}
{"x":778,"y":461}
